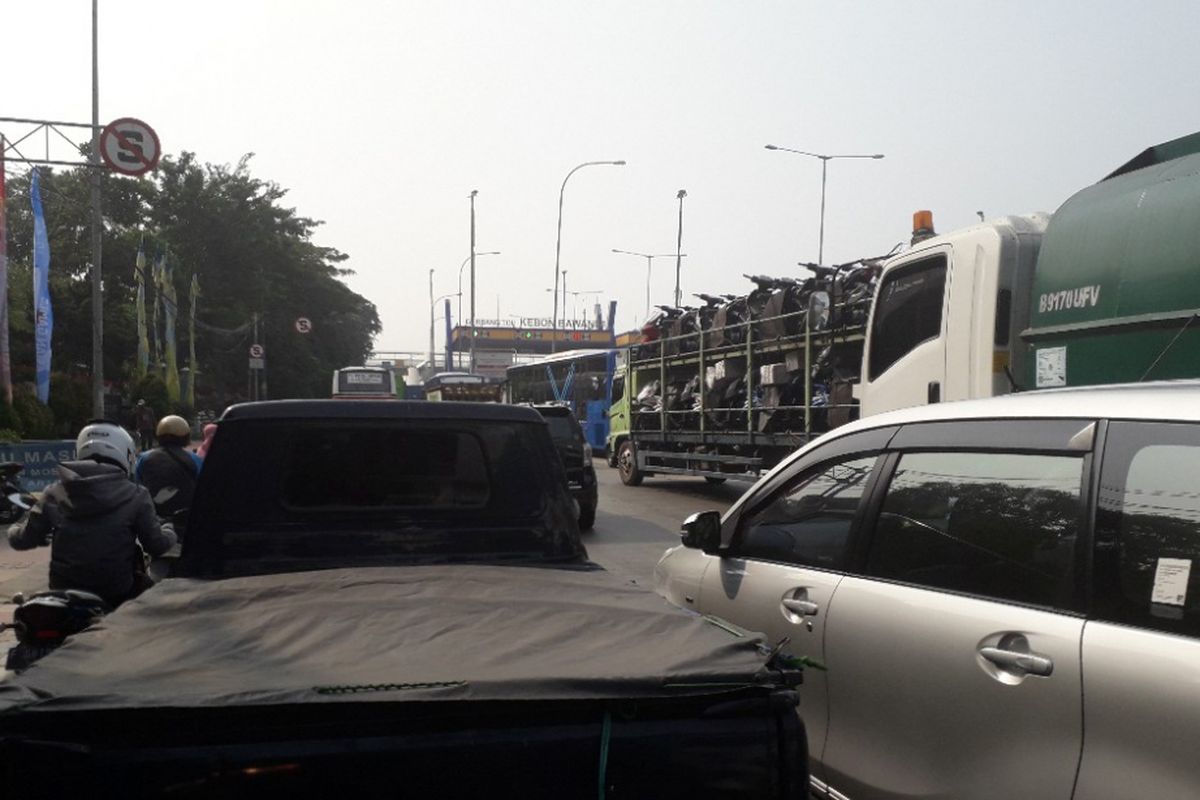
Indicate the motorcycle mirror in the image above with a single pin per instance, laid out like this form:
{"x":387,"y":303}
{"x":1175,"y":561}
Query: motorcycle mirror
{"x":818,"y":311}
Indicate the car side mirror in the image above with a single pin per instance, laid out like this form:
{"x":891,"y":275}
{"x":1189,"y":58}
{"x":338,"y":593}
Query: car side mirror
{"x":702,"y":531}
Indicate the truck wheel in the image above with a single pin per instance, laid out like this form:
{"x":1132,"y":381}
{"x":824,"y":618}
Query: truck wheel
{"x":627,"y":464}
{"x":587,"y":516}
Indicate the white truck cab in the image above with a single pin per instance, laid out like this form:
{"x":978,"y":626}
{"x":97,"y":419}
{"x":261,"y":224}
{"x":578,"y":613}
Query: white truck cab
{"x":948,"y":314}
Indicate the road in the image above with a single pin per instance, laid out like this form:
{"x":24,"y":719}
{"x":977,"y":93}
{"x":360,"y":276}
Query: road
{"x":634,"y":525}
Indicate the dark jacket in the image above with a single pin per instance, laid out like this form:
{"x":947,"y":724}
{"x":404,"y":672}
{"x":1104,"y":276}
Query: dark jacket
{"x":93,"y":518}
{"x":169,"y":472}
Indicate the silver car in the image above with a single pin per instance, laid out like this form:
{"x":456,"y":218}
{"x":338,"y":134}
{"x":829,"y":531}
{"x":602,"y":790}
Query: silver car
{"x":1001,"y":591}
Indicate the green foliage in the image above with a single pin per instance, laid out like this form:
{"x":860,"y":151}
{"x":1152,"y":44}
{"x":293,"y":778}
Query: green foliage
{"x":71,"y":402}
{"x":152,"y":389}
{"x":219,"y":222}
{"x":9,"y":419}
{"x":9,"y":436}
{"x":37,"y":420}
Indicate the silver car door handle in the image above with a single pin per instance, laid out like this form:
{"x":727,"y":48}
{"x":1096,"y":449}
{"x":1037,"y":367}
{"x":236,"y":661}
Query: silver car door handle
{"x":805,"y":608}
{"x":1031,"y":663}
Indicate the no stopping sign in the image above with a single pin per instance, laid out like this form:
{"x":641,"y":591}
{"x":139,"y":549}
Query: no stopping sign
{"x":130,"y":146}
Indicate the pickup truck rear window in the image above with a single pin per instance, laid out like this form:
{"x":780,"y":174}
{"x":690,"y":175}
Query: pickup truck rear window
{"x":389,"y":468}
{"x":561,"y":428}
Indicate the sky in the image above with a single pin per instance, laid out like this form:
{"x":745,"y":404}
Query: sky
{"x":380,"y":118}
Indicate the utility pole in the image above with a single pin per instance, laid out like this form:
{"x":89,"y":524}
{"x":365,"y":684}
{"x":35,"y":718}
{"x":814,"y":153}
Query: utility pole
{"x":97,"y":222}
{"x":679,"y":248}
{"x":431,"y":320}
{"x":473,"y":193}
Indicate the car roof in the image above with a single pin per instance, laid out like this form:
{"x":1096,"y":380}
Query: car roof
{"x":380,"y":409}
{"x":1160,"y":400}
{"x":552,"y":409}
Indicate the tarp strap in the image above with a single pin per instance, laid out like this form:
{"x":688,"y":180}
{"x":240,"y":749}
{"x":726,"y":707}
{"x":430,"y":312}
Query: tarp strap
{"x":605,"y":736}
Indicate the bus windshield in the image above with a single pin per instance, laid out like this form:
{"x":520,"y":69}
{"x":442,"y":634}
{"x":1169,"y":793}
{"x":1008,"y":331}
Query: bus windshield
{"x":580,"y":380}
{"x":361,"y":383}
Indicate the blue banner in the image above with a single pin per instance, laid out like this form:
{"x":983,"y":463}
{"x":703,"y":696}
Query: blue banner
{"x":42,"y":314}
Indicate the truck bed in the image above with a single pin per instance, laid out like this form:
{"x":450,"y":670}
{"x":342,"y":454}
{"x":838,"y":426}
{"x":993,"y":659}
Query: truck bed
{"x":527,"y":681}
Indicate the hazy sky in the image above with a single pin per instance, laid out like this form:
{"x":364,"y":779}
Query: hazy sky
{"x":381,"y":117}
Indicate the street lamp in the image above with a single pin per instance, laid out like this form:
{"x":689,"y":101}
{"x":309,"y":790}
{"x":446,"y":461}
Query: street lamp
{"x":649,"y":267}
{"x":825,"y":159}
{"x":679,"y":246}
{"x":433,"y":301}
{"x":473,"y":193}
{"x":576,"y":295}
{"x":558,"y":241}
{"x":460,"y":291}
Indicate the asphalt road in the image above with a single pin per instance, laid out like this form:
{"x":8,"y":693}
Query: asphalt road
{"x":634,"y":525}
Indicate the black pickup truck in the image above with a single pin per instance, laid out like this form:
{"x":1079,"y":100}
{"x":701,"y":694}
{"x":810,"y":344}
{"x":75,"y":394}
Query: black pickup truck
{"x":392,"y":599}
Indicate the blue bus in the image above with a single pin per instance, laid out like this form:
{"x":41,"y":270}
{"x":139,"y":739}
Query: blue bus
{"x":580,"y":379}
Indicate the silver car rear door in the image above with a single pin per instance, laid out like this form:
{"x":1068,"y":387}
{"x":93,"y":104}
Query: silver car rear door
{"x":953,"y":653}
{"x":1141,"y":650}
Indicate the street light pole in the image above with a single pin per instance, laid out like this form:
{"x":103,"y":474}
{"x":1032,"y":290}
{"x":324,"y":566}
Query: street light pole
{"x":649,"y":267}
{"x":679,"y":247}
{"x":433,"y":301}
{"x":825,"y":159}
{"x":97,"y":231}
{"x":473,"y":193}
{"x":431,"y":304}
{"x":460,"y":291}
{"x":558,"y":242}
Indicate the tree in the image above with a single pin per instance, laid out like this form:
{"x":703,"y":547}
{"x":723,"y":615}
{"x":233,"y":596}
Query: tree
{"x":252,"y":255}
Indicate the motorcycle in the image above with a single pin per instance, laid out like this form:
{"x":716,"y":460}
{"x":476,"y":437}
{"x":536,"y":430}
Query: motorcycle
{"x":729,"y":323}
{"x":45,"y":620}
{"x":15,"y":502}
{"x":663,"y":325}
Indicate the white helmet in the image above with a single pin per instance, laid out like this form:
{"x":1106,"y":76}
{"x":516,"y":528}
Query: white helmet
{"x":108,"y":442}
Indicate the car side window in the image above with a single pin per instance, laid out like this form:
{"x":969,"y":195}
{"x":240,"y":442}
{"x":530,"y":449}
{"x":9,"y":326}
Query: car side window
{"x":1147,"y":561}
{"x":808,"y":521}
{"x":907,"y":313}
{"x":1000,"y":525}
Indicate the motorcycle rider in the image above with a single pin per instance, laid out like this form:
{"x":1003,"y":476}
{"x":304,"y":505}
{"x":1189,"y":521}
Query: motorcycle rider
{"x":94,"y":517}
{"x":170,"y":470}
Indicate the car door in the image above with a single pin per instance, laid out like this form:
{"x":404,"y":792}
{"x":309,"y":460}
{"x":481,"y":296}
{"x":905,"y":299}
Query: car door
{"x":1141,"y":651}
{"x":786,"y":551}
{"x":906,"y":340}
{"x":953,"y":651}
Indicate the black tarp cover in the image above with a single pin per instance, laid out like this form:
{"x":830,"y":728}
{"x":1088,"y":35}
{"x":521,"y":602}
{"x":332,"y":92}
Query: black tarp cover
{"x":394,"y":634}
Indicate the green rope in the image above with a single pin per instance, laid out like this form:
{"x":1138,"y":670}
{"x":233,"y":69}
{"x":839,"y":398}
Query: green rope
{"x":605,"y":736}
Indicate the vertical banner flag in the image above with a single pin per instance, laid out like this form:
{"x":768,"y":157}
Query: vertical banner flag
{"x":143,"y":343}
{"x":190,"y":401}
{"x":156,"y":279}
{"x":5,"y":370}
{"x":170,"y":309}
{"x":42,"y":314}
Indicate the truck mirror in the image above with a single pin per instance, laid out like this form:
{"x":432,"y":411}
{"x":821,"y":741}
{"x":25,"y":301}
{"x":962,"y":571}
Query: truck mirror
{"x":818,"y":311}
{"x":702,"y":531}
